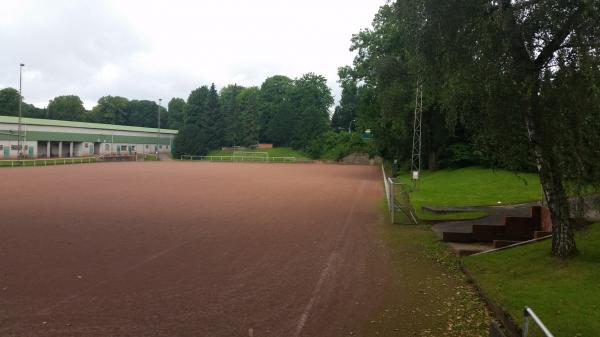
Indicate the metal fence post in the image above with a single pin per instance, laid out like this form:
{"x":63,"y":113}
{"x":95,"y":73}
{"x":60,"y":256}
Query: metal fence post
{"x":525,"y":322}
{"x":391,"y":200}
{"x":529,"y":313}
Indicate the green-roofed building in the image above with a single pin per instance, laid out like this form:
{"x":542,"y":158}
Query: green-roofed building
{"x":45,"y":138}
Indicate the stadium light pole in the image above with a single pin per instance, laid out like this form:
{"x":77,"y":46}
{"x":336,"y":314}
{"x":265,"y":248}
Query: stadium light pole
{"x":158,"y":124}
{"x":350,"y":125}
{"x":19,"y":143}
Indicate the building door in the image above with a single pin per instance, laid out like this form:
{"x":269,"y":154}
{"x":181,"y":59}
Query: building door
{"x":118,"y":149}
{"x":30,"y":151}
{"x":92,"y":148}
{"x":6,"y":151}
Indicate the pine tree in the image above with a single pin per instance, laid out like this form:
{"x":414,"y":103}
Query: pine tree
{"x":195,"y":110}
{"x":213,"y":122}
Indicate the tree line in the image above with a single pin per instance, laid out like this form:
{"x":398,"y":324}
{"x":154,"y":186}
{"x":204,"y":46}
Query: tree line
{"x":506,"y":83}
{"x":110,"y":110}
{"x":282,"y":111}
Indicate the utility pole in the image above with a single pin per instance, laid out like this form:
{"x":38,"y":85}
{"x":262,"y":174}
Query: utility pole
{"x":416,"y":147}
{"x":19,"y":143}
{"x":158,"y":124}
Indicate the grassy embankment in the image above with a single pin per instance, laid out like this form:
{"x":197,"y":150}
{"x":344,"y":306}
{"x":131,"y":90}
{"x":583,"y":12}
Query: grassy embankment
{"x":565,"y":294}
{"x":150,"y":157}
{"x":471,"y":186}
{"x":274,"y":152}
{"x":47,"y":162}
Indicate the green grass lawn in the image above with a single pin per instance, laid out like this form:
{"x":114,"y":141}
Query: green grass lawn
{"x":471,"y":186}
{"x":150,"y":157}
{"x":274,"y":152}
{"x":565,"y":294}
{"x":47,"y":162}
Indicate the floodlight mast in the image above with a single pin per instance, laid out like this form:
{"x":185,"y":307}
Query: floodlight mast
{"x":158,"y":125}
{"x":416,"y":146}
{"x":19,"y":143}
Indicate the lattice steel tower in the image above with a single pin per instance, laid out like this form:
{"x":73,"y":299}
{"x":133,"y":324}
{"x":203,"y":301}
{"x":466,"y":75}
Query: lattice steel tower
{"x":416,"y":147}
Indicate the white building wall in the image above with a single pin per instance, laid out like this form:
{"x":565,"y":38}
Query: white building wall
{"x":123,"y":148}
{"x":9,"y":149}
{"x":80,"y":149}
{"x":104,"y":132}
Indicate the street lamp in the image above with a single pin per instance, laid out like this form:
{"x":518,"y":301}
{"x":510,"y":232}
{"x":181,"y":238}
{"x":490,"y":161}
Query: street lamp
{"x":19,"y":144}
{"x":158,"y":123}
{"x":350,"y":125}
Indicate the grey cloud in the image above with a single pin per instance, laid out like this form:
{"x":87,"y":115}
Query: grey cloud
{"x":65,"y":44}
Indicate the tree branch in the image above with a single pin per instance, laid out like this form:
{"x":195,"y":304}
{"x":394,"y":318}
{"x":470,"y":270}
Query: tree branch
{"x":559,"y":38}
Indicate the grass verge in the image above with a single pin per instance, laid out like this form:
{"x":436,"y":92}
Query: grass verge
{"x":47,"y":162}
{"x":150,"y":157}
{"x":565,"y":294}
{"x":471,"y":186}
{"x":427,"y":294}
{"x":274,"y":152}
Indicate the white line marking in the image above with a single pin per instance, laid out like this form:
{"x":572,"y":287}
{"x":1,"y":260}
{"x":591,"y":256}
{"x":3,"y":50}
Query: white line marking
{"x":329,"y":266}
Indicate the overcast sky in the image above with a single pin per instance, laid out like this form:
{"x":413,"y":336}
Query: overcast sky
{"x":163,"y":49}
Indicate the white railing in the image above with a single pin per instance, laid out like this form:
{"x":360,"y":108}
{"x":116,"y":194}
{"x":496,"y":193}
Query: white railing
{"x":47,"y":162}
{"x":393,"y":189}
{"x":529,"y":314}
{"x":241,"y":159}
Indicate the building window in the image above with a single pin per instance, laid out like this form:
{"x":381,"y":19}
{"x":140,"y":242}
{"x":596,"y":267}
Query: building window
{"x":1,"y":147}
{"x":161,"y":147}
{"x":86,"y":145}
{"x":123,"y":147}
{"x":14,"y":147}
{"x":146,"y":146}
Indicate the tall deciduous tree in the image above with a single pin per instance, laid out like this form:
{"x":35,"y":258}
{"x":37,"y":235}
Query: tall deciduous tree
{"x":111,"y":110}
{"x":495,"y":71}
{"x":195,"y":108}
{"x":273,"y":99}
{"x":248,"y":116}
{"x":346,"y":112}
{"x":67,"y":107}
{"x":143,"y":113}
{"x":176,"y":116}
{"x":231,"y":113}
{"x":540,"y":39}
{"x":9,"y":102}
{"x":300,"y":109}
{"x":310,"y":102}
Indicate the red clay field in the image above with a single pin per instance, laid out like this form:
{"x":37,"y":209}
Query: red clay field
{"x":188,"y":249}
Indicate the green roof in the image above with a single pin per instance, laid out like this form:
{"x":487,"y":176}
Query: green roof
{"x":54,"y":122}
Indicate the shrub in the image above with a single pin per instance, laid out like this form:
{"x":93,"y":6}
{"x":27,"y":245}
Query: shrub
{"x":334,"y":146}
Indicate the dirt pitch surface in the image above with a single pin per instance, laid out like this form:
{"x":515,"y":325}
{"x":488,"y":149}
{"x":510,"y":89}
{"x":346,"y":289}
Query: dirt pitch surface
{"x":188,"y":249}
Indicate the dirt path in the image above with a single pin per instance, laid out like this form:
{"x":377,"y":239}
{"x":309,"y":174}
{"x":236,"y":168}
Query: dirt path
{"x":189,"y":249}
{"x":426,"y":294}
